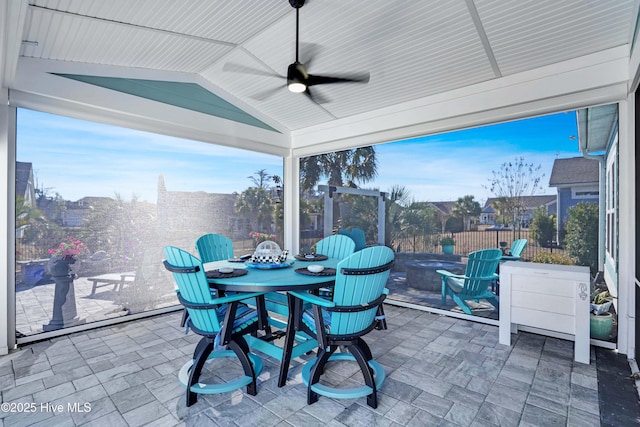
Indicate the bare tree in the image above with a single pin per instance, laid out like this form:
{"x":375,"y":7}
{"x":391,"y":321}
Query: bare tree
{"x":512,"y":183}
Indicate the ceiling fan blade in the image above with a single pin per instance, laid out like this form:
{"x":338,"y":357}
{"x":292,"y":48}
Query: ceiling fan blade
{"x":261,"y":96}
{"x":318,"y":99}
{"x":351,"y":78}
{"x":237,"y":68}
{"x":309,"y":51}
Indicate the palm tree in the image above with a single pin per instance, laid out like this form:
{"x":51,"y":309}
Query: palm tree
{"x":397,"y":198}
{"x":255,"y":203}
{"x":341,"y":168}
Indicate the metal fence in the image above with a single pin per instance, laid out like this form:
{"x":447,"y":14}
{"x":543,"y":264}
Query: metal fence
{"x":466,"y":242}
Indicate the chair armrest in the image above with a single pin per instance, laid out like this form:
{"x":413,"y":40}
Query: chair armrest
{"x":235,"y":297}
{"x":313,"y":299}
{"x":450,"y":274}
{"x":494,"y":276}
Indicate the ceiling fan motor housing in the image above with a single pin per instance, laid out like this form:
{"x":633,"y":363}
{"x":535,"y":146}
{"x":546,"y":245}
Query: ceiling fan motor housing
{"x":297,"y":4}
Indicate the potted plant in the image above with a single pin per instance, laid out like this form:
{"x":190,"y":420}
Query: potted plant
{"x":448,"y":244}
{"x":64,"y":255}
{"x":601,"y":321}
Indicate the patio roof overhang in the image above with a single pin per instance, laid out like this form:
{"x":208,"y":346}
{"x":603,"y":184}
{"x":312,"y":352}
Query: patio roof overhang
{"x":596,"y":79}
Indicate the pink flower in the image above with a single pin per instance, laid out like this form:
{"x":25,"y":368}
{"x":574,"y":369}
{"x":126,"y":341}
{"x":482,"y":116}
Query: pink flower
{"x":70,"y":247}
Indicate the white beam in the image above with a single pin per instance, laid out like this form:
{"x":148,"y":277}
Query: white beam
{"x":627,"y":230}
{"x":591,"y":80}
{"x":13,"y":15}
{"x":7,"y":231}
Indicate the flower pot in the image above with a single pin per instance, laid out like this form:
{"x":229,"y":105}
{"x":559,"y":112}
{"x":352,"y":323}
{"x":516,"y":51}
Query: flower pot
{"x":600,"y":308}
{"x":601,"y":326}
{"x":448,"y":249}
{"x":60,"y":266}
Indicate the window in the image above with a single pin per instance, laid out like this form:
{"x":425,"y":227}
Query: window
{"x":585,"y":193}
{"x":113,"y":198}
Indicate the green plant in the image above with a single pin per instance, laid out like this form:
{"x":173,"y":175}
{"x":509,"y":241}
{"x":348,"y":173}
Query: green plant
{"x":447,"y":241}
{"x":581,"y":239}
{"x":551,"y":258}
{"x":601,"y":296}
{"x":543,"y":227}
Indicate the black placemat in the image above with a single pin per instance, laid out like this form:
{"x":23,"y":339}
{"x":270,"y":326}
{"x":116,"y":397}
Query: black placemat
{"x":316,"y":257}
{"x":326,"y":272}
{"x":215,"y":274}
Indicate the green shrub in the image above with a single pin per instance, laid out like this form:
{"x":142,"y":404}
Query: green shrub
{"x":581,"y":239}
{"x":543,"y":227}
{"x":551,"y":258}
{"x":447,"y":241}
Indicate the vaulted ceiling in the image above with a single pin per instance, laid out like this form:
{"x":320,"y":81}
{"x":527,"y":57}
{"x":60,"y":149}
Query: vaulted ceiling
{"x":412,"y":49}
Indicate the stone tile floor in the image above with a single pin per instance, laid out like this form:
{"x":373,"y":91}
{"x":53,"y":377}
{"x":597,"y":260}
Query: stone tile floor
{"x":441,"y":371}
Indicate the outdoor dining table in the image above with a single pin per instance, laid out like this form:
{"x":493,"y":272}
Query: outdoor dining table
{"x":275,"y":281}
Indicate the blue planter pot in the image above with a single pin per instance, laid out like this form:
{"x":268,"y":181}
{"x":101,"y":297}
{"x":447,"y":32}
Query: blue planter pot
{"x":448,"y":249}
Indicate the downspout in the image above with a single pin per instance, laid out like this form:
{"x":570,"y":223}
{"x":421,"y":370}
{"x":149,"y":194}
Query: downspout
{"x":602,"y":212}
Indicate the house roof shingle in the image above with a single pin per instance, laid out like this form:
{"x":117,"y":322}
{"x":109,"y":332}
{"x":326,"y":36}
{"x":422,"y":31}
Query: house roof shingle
{"x":529,"y":201}
{"x":575,"y":170}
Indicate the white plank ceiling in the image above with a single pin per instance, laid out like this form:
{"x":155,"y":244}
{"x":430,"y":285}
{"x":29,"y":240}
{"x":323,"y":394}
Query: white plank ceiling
{"x":412,"y":49}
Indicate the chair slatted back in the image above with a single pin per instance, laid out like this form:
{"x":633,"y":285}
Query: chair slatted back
{"x":358,"y":236}
{"x":337,"y":246}
{"x":358,"y":289}
{"x":481,"y":267}
{"x":214,"y":247}
{"x":194,"y":288}
{"x":517,"y":247}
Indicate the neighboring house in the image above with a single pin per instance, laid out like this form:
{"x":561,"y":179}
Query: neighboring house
{"x":576,"y":180}
{"x":212,"y":213}
{"x":24,"y":183}
{"x":25,"y":189}
{"x":488,"y":215}
{"x":76,"y":212}
{"x":531,"y":203}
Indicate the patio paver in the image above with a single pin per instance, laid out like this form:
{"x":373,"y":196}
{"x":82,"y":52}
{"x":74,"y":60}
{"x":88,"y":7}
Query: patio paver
{"x":440,"y":370}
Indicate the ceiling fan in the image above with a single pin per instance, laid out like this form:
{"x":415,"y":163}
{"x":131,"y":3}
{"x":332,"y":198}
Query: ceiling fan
{"x":298,"y":78}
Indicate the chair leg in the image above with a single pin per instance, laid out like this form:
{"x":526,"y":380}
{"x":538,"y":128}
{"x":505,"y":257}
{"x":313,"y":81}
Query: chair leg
{"x":462,"y":304}
{"x":241,"y":349}
{"x":381,"y":320}
{"x":494,"y":302}
{"x":185,"y":315}
{"x":367,"y":373}
{"x":203,"y":350}
{"x":316,"y":371}
{"x":362,"y":344}
{"x":444,"y":291}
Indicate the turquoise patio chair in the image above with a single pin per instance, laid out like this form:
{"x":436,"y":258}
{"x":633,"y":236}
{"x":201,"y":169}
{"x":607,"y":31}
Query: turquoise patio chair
{"x":340,"y":246}
{"x":343,"y":320}
{"x":211,"y":247}
{"x":336,"y":246}
{"x":214,"y":247}
{"x":358,"y":236}
{"x":474,"y":284}
{"x":516,"y":249}
{"x":222,"y":323}
{"x":513,"y":254}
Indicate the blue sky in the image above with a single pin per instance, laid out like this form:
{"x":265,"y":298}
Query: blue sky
{"x":78,"y":158}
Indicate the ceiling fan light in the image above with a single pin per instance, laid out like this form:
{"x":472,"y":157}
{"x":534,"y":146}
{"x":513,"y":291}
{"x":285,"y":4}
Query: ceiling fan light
{"x":296,"y":87}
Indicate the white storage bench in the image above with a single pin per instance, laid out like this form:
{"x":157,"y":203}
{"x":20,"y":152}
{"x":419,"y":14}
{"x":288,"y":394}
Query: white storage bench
{"x":548,"y":297}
